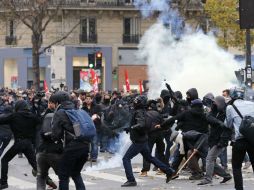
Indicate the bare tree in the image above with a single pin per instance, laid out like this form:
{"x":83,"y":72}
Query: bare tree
{"x":36,"y":15}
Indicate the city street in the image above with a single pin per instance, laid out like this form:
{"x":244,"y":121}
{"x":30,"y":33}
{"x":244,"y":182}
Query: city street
{"x":20,"y":177}
{"x":82,"y":76}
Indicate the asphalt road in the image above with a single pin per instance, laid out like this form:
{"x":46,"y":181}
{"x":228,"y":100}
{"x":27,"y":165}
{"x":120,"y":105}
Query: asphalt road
{"x":111,"y":178}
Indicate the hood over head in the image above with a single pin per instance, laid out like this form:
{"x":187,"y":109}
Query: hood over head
{"x":21,"y":105}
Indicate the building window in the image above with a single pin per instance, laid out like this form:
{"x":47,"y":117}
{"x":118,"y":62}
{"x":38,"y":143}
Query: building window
{"x":128,"y":2}
{"x":131,"y":30}
{"x":10,"y":38}
{"x":87,"y":1}
{"x":88,"y":30}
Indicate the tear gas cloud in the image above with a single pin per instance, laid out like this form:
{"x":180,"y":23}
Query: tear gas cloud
{"x":116,"y":160}
{"x":193,"y":61}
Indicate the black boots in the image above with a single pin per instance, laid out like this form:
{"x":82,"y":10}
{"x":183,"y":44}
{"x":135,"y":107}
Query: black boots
{"x":129,"y":184}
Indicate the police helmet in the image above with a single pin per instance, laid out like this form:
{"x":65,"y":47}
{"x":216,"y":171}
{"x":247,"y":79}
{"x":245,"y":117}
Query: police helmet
{"x":208,"y":99}
{"x":140,"y":102}
{"x":236,"y":93}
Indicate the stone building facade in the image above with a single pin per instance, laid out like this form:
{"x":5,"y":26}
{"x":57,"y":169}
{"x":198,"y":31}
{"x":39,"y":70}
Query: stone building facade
{"x":112,"y":27}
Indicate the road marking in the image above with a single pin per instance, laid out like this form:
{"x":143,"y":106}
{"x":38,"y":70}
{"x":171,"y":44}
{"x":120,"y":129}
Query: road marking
{"x":21,"y":184}
{"x":55,"y":178}
{"x":108,"y":176}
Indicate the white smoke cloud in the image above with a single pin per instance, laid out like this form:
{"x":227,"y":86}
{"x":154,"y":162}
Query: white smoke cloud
{"x":194,"y":61}
{"x":147,"y":8}
{"x":116,"y":160}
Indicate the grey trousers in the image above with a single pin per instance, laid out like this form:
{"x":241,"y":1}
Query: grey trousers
{"x":211,"y":165}
{"x":44,"y":162}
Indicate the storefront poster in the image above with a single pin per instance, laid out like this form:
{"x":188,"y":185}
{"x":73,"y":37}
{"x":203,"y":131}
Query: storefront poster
{"x":14,"y":82}
{"x":85,"y":81}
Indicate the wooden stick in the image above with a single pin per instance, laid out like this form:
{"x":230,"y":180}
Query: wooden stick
{"x":186,"y":162}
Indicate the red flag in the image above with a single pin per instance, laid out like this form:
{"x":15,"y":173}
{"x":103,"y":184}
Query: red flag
{"x":127,"y":81}
{"x":94,"y":80}
{"x":140,"y":87}
{"x":45,"y":86}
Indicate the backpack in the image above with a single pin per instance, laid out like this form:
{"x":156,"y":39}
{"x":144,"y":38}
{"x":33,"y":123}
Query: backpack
{"x":247,"y":126}
{"x":84,"y":128}
{"x":152,"y":118}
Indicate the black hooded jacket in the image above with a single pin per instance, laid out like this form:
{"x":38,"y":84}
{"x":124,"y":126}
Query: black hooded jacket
{"x":5,"y":129}
{"x":216,"y":128}
{"x":23,"y":123}
{"x":166,"y":110}
{"x":219,"y":134}
{"x":153,"y":118}
{"x":138,"y":129}
{"x":193,"y":94}
{"x":193,"y":119}
{"x":62,"y":128}
{"x":46,"y":144}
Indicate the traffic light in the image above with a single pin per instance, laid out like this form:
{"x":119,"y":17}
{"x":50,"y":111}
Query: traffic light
{"x":98,"y":60}
{"x":246,"y":12}
{"x":91,"y":60}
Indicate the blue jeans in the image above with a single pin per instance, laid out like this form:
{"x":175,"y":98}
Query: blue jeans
{"x":224,"y":158}
{"x":143,"y":149}
{"x":169,"y":144}
{"x":94,"y":147}
{"x":71,"y":165}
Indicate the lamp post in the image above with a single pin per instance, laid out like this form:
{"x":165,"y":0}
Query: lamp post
{"x":248,"y":68}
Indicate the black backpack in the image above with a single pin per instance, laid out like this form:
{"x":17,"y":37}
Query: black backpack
{"x":247,"y":126}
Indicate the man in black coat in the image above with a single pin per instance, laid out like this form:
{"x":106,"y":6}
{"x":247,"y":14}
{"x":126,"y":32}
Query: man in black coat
{"x":193,"y":119}
{"x":94,"y":110}
{"x":139,"y":137}
{"x":155,"y":136}
{"x":218,"y":139}
{"x":48,"y":151}
{"x":75,"y":151}
{"x":23,"y":125}
{"x":5,"y":130}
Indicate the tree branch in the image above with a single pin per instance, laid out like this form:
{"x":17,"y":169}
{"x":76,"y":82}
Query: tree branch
{"x":59,"y":40}
{"x":50,"y":17}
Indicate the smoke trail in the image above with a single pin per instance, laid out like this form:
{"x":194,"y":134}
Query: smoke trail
{"x":168,"y":15}
{"x":116,"y":160}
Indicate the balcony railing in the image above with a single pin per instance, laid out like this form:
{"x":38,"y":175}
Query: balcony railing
{"x":82,"y":3}
{"x":88,"y":39}
{"x":99,"y":3}
{"x":10,"y":40}
{"x":133,"y":39}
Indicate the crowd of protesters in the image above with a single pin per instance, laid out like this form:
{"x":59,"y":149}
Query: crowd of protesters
{"x":182,"y":129}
